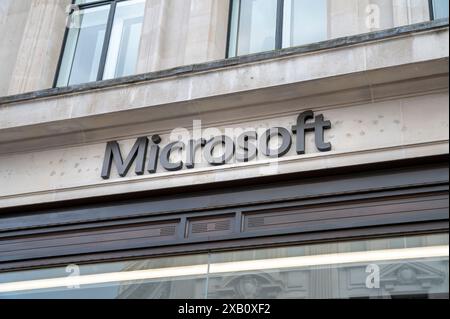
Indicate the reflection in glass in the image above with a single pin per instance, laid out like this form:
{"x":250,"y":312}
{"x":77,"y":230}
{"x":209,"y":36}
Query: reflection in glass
{"x":304,"y":22}
{"x":440,"y":9}
{"x":181,"y":277}
{"x":253,"y":26}
{"x":84,"y":45}
{"x":125,"y":38}
{"x":85,"y":1}
{"x":402,"y":267}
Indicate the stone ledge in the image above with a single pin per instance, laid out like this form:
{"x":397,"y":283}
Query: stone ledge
{"x":252,"y":58}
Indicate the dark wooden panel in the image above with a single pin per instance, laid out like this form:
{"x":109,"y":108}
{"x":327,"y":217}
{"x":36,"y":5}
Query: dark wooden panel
{"x":333,"y":185}
{"x":387,"y":210}
{"x":257,"y":221}
{"x":238,"y":243}
{"x":310,"y":207}
{"x":85,"y":240}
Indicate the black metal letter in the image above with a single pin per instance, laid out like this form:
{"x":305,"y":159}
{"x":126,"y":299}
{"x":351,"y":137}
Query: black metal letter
{"x":318,"y":126}
{"x":286,"y":142}
{"x":152,"y":165}
{"x":247,"y":151}
{"x":301,"y":128}
{"x":165,"y":156}
{"x":112,"y":152}
{"x":190,"y":152}
{"x":322,"y":125}
{"x":228,"y":154}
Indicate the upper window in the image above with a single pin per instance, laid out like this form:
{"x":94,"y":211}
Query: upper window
{"x":263,"y":25}
{"x":440,"y":9}
{"x":102,"y":41}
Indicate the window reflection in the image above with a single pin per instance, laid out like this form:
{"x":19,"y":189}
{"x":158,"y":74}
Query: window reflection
{"x":305,"y":22}
{"x":85,"y":1}
{"x":254,"y":23}
{"x":84,"y":45}
{"x":102,"y":42}
{"x":440,"y":9}
{"x":125,"y":37}
{"x":402,"y":267}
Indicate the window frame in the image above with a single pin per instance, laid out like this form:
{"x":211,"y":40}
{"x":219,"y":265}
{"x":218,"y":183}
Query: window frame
{"x":432,"y":11}
{"x":279,"y":25}
{"x":109,"y":27}
{"x":278,"y":31}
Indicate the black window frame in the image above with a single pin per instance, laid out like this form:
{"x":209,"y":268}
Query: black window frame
{"x":432,"y":11}
{"x":109,"y":26}
{"x":431,"y":8}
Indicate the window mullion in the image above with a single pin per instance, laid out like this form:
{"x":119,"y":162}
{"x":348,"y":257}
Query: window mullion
{"x":108,"y":32}
{"x":279,"y":30}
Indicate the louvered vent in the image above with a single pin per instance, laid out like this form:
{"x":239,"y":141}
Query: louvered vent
{"x":210,"y":226}
{"x":256,"y":222}
{"x":221,"y":225}
{"x":168,"y":230}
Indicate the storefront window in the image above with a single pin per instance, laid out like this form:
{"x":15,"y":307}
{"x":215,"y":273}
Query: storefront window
{"x":402,"y":267}
{"x":263,"y":25}
{"x":102,"y":41}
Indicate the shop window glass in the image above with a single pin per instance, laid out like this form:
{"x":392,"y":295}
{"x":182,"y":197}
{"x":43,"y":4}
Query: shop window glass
{"x":387,"y":268}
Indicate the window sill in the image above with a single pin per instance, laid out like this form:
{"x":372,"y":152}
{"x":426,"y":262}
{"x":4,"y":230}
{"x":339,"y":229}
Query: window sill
{"x":220,"y":64}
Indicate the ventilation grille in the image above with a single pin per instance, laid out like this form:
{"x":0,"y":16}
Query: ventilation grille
{"x":256,"y":222}
{"x":168,"y":230}
{"x":213,"y":226}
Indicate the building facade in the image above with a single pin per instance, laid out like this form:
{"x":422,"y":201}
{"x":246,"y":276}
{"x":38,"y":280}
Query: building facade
{"x":224,"y":149}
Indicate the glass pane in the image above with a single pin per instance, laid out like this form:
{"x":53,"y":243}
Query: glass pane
{"x":85,"y":1}
{"x":440,"y":8}
{"x":361,"y":269}
{"x":402,"y":267}
{"x":253,"y":22}
{"x":255,"y":26}
{"x":125,"y":38}
{"x":84,"y":46}
{"x":233,"y":32}
{"x":159,"y":278}
{"x":305,"y":22}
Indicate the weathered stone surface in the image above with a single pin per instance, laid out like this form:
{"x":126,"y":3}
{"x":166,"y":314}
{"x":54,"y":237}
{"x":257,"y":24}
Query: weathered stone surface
{"x":40,"y":48}
{"x":386,"y":93}
{"x":362,"y":133}
{"x":13,"y":16}
{"x":182,"y":32}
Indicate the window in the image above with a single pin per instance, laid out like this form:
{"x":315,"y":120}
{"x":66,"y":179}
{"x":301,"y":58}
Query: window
{"x":399,"y":267}
{"x":304,"y":22}
{"x":254,"y":26}
{"x":263,"y":25}
{"x":439,"y":9}
{"x":102,"y":41}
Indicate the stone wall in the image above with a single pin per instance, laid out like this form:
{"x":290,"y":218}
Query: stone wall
{"x":175,"y":33}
